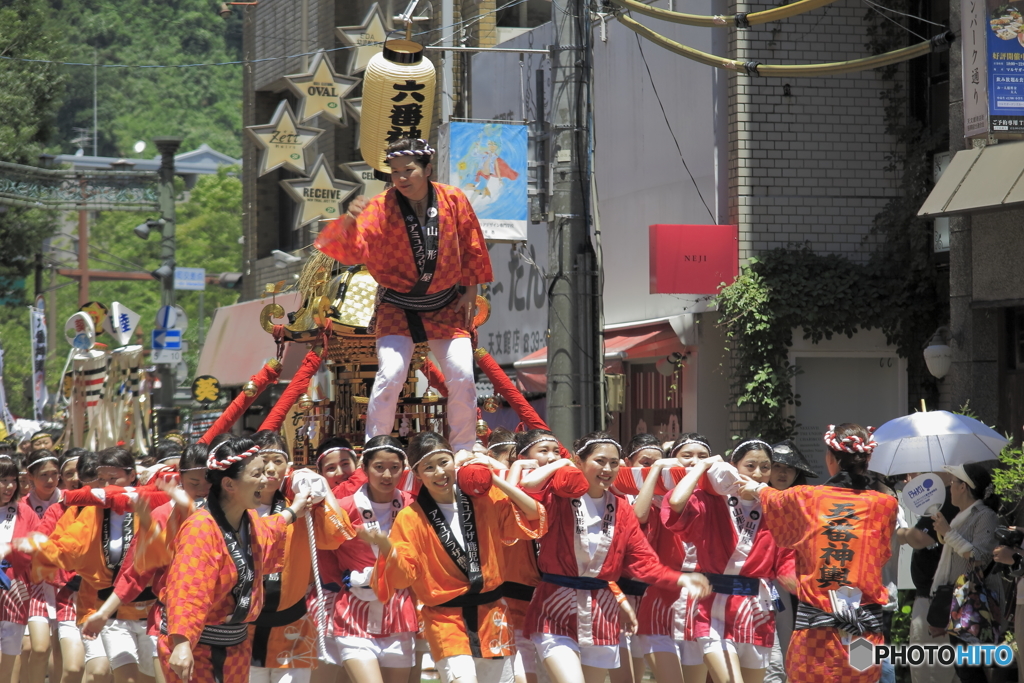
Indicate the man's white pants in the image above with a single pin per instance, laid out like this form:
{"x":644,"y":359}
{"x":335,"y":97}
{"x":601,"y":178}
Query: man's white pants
{"x":455,"y":358}
{"x":919,"y":635}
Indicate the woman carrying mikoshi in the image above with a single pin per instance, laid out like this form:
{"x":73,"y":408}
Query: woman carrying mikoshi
{"x":574,"y":615}
{"x":735,"y":626}
{"x":665,"y":612}
{"x":214,"y":587}
{"x":841,"y":533}
{"x":284,"y":636}
{"x":448,"y":547}
{"x":375,"y":640}
{"x":422,"y":242}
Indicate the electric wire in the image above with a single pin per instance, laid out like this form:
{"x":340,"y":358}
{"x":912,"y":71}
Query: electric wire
{"x":874,"y":8}
{"x":462,"y":26}
{"x":905,"y":14}
{"x":671,"y":132}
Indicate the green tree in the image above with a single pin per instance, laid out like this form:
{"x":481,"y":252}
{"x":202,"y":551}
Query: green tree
{"x":30,"y":93}
{"x":199,"y":103}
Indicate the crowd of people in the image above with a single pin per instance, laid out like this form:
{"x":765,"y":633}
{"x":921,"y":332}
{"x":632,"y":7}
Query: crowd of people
{"x":515,"y":560}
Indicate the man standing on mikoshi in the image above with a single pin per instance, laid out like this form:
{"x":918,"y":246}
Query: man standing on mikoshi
{"x":422,"y":243}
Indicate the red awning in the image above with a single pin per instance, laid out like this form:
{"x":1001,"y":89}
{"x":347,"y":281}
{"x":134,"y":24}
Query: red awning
{"x":237,"y":346}
{"x":643,"y":342}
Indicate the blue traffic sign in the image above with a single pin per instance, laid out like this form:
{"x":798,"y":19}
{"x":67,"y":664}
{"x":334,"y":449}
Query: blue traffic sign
{"x":190,"y":279}
{"x":169,"y":340}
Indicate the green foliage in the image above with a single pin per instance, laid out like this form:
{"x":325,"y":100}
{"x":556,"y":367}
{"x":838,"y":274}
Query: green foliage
{"x":1008,"y":478}
{"x":896,"y":290}
{"x":200,"y":104}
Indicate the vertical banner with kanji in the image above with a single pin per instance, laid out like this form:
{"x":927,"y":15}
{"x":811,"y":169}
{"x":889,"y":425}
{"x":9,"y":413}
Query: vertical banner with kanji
{"x":974,"y":25}
{"x":6,"y":419}
{"x":1004,"y":28}
{"x":37,"y":317}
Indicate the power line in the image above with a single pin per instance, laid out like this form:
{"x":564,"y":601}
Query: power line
{"x":670,"y":131}
{"x":461,"y":25}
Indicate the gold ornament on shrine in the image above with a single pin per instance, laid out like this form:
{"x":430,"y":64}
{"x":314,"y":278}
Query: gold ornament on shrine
{"x":430,"y":396}
{"x":398,"y":100}
{"x":482,"y":429}
{"x":250,"y":389}
{"x":491,"y":404}
{"x":305,"y":402}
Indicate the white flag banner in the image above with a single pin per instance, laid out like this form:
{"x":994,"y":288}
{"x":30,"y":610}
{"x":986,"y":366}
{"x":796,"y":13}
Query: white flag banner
{"x":121,"y":323}
{"x":38,"y":328}
{"x":5,"y":413}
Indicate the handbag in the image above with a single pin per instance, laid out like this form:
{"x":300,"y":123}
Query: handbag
{"x":939,"y":608}
{"x":975,"y":614}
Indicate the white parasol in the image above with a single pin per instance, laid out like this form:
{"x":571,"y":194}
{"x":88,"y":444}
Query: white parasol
{"x":924,"y":442}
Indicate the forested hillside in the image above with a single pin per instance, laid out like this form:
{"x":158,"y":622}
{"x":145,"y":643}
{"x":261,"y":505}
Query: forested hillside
{"x":199,"y":103}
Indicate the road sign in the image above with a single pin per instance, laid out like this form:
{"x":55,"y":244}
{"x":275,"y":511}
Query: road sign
{"x":165,"y":356}
{"x":190,"y":279}
{"x":167,"y":340}
{"x":166,"y":317}
{"x":180,"y":319}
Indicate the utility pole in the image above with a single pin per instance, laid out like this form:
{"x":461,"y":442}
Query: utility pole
{"x":575,"y":344}
{"x":164,"y":404}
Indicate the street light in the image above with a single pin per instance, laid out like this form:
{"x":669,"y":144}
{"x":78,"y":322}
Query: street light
{"x":669,"y":364}
{"x":283,"y":259}
{"x":165,"y":271}
{"x":230,"y":280}
{"x":142,"y":230}
{"x":937,"y":354}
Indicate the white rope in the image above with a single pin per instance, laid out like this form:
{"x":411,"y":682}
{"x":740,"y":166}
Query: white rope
{"x":321,"y":613}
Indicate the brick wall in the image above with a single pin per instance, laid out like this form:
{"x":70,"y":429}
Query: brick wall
{"x":808,"y":166}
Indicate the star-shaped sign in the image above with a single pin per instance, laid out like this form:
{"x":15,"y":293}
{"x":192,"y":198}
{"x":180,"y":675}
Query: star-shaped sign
{"x":366,"y":39}
{"x":355,"y":107}
{"x":362,"y":173}
{"x":283,"y":142}
{"x":320,"y":195}
{"x":321,"y":91}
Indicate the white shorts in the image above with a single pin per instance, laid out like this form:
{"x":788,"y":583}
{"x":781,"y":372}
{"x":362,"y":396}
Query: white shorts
{"x":634,"y":647}
{"x":261,"y":674}
{"x":690,"y":652}
{"x":525,"y":661}
{"x":451,"y":669}
{"x":11,"y":635}
{"x":93,"y":649}
{"x":397,"y":651}
{"x":597,"y":656}
{"x":750,"y":656}
{"x":126,"y":642}
{"x":68,"y":630}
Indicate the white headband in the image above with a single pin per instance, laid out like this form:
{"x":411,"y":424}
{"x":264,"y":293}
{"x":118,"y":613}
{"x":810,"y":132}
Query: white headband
{"x":169,"y":457}
{"x":385,"y":447}
{"x":767,"y":446}
{"x":72,"y":459}
{"x":275,"y":450}
{"x":36,"y":462}
{"x":193,"y":469}
{"x":652,"y":446}
{"x":689,"y":441}
{"x":430,"y":453}
{"x":543,"y":439}
{"x":587,"y":444}
{"x":499,"y":444}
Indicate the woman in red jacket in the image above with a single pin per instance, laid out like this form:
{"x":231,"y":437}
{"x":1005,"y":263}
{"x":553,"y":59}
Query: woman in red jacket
{"x":17,"y":520}
{"x":376,"y":641}
{"x":594,"y":537}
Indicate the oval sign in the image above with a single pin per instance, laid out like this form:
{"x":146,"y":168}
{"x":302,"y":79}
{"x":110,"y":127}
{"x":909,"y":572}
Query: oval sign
{"x":80,"y":331}
{"x":924,"y":494}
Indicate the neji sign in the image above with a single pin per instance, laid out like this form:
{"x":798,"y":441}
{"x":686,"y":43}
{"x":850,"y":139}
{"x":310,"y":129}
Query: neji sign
{"x":693,"y":259}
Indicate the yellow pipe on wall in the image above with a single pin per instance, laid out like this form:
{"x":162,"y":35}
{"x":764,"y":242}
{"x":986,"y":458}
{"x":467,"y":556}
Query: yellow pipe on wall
{"x":742,"y":20}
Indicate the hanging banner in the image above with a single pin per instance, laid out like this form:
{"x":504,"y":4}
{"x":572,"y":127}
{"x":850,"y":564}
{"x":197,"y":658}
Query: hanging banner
{"x":487,"y":161}
{"x":37,"y":326}
{"x":1005,"y":42}
{"x":6,"y":419}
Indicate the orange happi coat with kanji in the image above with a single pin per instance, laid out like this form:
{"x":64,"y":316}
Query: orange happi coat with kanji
{"x":841,"y":537}
{"x":418,"y":561}
{"x":380,"y":241}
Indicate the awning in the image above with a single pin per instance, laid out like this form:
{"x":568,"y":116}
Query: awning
{"x":644,"y":342}
{"x":979,"y":179}
{"x":237,"y":346}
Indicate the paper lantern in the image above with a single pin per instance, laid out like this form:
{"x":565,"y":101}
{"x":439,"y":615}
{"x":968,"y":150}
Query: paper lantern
{"x":398,"y":101}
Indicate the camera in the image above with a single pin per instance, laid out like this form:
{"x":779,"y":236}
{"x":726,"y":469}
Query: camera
{"x":1011,"y":538}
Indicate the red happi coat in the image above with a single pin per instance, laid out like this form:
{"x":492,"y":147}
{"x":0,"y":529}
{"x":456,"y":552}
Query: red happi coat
{"x":591,"y":617}
{"x":198,"y":588}
{"x":709,"y":521}
{"x":666,"y":611}
{"x":353,"y":616}
{"x":803,"y":518}
{"x":380,"y":241}
{"x":15,"y":603}
{"x":130,"y":581}
{"x":50,"y":599}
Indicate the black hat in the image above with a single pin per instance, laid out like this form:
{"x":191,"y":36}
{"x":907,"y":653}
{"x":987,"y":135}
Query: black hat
{"x":786,"y":453}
